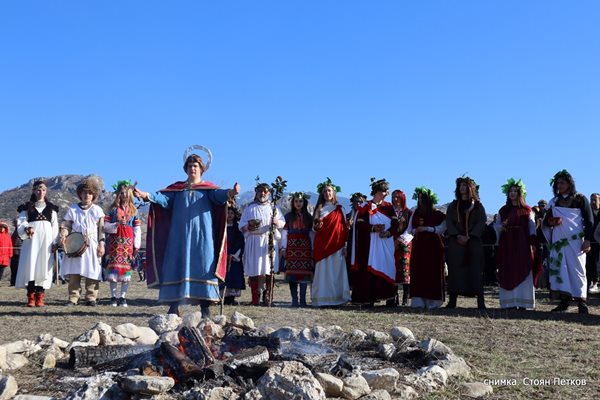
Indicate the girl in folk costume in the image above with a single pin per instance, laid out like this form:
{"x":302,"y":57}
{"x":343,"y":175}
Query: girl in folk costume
{"x":373,"y":263}
{"x":465,"y":222}
{"x":516,"y":232}
{"x":568,"y":228}
{"x":37,"y":226}
{"x":356,"y":200}
{"x":6,"y":249}
{"x":296,"y":247}
{"x":425,"y":229}
{"x":330,"y":284}
{"x":86,"y":218}
{"x":124,"y":239}
{"x":234,"y":280}
{"x":402,"y":252}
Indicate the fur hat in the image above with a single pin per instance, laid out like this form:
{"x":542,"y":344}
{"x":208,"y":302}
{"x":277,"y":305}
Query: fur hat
{"x":91,"y":183}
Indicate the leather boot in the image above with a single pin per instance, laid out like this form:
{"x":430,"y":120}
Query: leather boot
{"x":174,"y":309}
{"x":480,"y":302}
{"x":452,"y":301}
{"x":39,"y":299}
{"x":31,"y":299}
{"x":303,"y":287}
{"x":205,"y":309}
{"x":405,"y":293}
{"x":294,"y":293}
{"x":582,"y":307}
{"x":562,"y":306}
{"x":253,"y":283}
{"x":267,"y":292}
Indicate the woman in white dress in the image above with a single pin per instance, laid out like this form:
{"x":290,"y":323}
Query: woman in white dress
{"x":330,"y":283}
{"x":37,"y":225}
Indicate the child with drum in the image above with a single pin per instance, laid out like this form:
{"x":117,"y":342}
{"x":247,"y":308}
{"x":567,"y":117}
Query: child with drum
{"x":82,"y":233}
{"x":124,"y":239}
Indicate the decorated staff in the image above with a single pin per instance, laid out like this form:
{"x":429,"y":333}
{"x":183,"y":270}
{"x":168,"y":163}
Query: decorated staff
{"x":278,"y":187}
{"x":261,"y":223}
{"x":186,"y":251}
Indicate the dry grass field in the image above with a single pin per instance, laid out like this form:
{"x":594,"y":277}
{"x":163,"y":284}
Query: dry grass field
{"x":531,"y":351}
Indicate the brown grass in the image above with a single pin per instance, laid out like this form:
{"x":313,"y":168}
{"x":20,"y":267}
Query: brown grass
{"x":497,"y":344}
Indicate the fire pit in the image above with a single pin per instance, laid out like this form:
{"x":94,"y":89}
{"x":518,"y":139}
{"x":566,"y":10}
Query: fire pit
{"x":223,"y":359}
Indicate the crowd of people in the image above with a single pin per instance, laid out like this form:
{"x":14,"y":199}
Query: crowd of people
{"x":201,"y":248}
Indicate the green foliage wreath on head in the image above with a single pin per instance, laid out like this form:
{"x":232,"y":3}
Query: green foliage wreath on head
{"x":328,"y":182}
{"x":125,"y":183}
{"x":427,"y":192}
{"x":299,"y":195}
{"x":563,"y":173}
{"x":511,"y":182}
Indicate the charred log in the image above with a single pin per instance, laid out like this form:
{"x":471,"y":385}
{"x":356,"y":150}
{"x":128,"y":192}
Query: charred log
{"x":103,"y":356}
{"x":193,"y":345}
{"x":178,"y":365}
{"x":234,"y":343}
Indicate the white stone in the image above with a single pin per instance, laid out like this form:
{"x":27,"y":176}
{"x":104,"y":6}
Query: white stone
{"x":435,"y":348}
{"x":25,"y":347}
{"x":192,"y":320}
{"x":164,"y":323}
{"x":45,"y":339}
{"x":285,"y":333}
{"x":170,"y":337}
{"x":402,"y":334}
{"x":105,"y":332}
{"x":355,"y":386}
{"x":8,"y":387}
{"x":455,"y":366}
{"x":386,"y":351}
{"x":477,"y":389}
{"x":318,"y":332}
{"x":220,"y":320}
{"x":3,"y":355}
{"x":49,"y":361}
{"x":332,"y":385}
{"x":16,"y":361}
{"x":377,"y":336}
{"x":60,"y":343}
{"x":253,"y":394}
{"x":218,"y":393}
{"x":128,"y":330}
{"x":265,"y":329}
{"x":385,"y":378}
{"x":101,"y":386}
{"x":239,"y":319}
{"x":92,"y":336}
{"x":147,"y":385}
{"x":211,"y":330}
{"x":32,"y":397}
{"x":434,"y":373}
{"x":121,"y":340}
{"x":333,"y":331}
{"x":305,"y":335}
{"x":406,"y":392}
{"x":147,"y":336}
{"x":357,"y":336}
{"x":290,"y":380}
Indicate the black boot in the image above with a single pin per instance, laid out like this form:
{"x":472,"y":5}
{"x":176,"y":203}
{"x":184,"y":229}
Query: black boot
{"x":294,"y":293}
{"x":480,"y":302}
{"x":303,"y":287}
{"x":405,"y":293}
{"x":174,"y":309}
{"x":229,"y":300}
{"x":452,"y":301}
{"x":205,"y":309}
{"x":582,"y":307}
{"x":564,"y":304}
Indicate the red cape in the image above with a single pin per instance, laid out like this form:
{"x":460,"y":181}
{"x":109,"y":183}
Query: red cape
{"x":332,"y":236}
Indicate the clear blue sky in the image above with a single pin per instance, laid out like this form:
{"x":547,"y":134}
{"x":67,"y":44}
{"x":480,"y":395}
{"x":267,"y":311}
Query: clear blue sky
{"x":417,"y":92}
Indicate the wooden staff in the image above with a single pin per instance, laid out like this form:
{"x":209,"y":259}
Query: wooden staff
{"x":278,"y":187}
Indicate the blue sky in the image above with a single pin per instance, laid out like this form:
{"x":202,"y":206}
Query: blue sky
{"x":417,"y":92}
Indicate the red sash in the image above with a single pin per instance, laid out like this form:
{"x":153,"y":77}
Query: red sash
{"x":332,"y":236}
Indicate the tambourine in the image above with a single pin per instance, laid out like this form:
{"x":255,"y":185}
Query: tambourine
{"x":75,"y":244}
